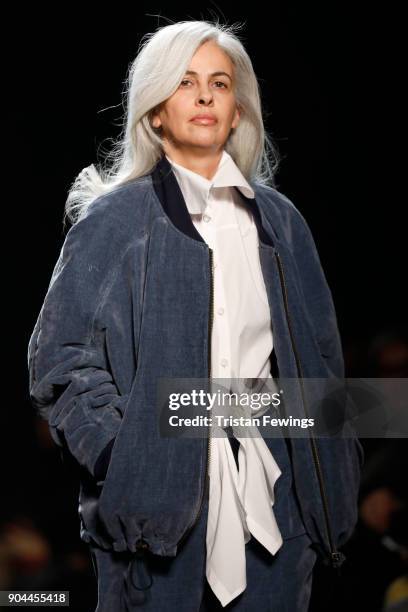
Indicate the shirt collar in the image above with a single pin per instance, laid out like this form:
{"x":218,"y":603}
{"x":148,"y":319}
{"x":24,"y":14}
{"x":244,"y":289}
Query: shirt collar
{"x":196,"y":188}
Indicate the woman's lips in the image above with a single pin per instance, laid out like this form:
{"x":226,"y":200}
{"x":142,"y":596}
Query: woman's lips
{"x":204,"y":121}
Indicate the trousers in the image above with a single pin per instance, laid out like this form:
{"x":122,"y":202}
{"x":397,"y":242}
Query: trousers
{"x":275,"y":583}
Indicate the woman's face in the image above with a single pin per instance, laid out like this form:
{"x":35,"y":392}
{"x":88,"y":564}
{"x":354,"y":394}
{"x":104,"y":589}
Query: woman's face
{"x":201,"y":93}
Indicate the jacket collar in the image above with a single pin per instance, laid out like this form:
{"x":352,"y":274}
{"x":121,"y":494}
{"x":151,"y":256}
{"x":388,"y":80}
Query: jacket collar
{"x":196,"y":188}
{"x":173,"y":203}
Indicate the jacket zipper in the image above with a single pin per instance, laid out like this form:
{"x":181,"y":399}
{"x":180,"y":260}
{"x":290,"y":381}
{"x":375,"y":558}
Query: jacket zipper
{"x":210,"y":327}
{"x":208,"y":454}
{"x":336,"y":557}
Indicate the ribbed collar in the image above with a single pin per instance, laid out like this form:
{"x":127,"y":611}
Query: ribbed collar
{"x":196,"y":188}
{"x":174,"y":206}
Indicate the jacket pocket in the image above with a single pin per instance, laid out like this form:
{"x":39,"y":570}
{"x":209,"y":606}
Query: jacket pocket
{"x":107,"y":457}
{"x":104,"y":460}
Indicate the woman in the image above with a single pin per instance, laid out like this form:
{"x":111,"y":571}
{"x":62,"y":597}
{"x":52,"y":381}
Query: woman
{"x":184,"y":262}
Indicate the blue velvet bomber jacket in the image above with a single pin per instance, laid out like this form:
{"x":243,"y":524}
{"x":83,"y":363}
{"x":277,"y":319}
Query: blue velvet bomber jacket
{"x":129,"y":301}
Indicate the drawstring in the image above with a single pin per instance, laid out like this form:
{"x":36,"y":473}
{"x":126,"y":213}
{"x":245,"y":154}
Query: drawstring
{"x":139,"y":555}
{"x":127,"y":598}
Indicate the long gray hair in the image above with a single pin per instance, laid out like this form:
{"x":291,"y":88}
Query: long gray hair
{"x":162,"y":60}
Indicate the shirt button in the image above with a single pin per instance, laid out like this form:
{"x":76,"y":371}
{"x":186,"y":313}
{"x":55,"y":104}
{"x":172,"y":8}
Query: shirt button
{"x":220,"y":311}
{"x":206,"y":218}
{"x":224,"y":362}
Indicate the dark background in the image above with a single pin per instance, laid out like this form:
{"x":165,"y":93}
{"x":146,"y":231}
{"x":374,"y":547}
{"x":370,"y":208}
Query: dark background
{"x":329,"y":75}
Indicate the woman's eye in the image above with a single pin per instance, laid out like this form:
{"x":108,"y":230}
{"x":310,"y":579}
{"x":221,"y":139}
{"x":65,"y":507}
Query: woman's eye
{"x":216,"y":82}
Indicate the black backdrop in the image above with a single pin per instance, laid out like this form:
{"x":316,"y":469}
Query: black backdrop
{"x":329,"y":74}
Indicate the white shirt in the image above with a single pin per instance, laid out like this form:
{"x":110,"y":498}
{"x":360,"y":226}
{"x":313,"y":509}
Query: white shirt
{"x":241,"y":345}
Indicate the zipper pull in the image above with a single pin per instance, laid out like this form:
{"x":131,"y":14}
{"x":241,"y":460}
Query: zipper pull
{"x":337,"y":558}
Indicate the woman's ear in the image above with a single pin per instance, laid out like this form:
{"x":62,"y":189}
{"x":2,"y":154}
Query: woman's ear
{"x":154,"y":118}
{"x":237,"y":117}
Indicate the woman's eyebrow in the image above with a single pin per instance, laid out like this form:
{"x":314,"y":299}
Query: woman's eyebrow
{"x":217,"y":73}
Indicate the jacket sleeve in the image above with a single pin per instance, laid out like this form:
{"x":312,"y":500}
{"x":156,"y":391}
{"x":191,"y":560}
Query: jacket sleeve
{"x":317,"y":295}
{"x":319,"y":305}
{"x":70,"y":383}
{"x":341,"y":456}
